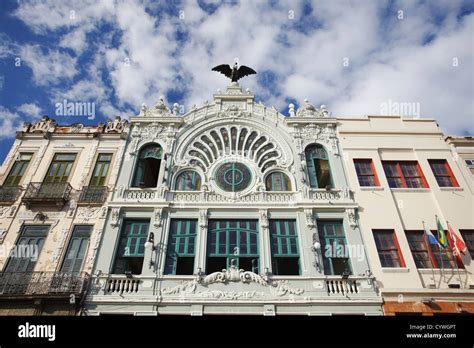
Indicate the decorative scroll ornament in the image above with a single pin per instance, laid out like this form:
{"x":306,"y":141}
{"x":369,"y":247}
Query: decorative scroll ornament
{"x":45,"y":125}
{"x":319,"y":133}
{"x":232,"y":274}
{"x":159,"y":110}
{"x":233,"y":111}
{"x":308,"y":110}
{"x":116,"y":126}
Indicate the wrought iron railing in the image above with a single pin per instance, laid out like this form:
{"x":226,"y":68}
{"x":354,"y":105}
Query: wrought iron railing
{"x":42,"y":283}
{"x":93,"y":194}
{"x":8,"y":194}
{"x":44,"y":193}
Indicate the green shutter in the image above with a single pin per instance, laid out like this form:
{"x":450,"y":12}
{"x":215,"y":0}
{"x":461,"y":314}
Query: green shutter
{"x":181,"y":242}
{"x":18,"y":170}
{"x":234,"y":240}
{"x":101,"y":170}
{"x":60,"y":168}
{"x":77,"y":249}
{"x":33,"y":236}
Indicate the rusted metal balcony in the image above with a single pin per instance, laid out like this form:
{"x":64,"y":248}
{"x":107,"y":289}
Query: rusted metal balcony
{"x":9,"y":194}
{"x":42,"y":284}
{"x":39,"y":193}
{"x":93,"y":195}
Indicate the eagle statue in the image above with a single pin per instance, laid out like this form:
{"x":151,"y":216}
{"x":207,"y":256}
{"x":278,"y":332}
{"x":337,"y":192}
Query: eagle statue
{"x":234,"y":73}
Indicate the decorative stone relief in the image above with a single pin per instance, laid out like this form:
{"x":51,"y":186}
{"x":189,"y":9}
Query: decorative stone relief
{"x":351,"y":216}
{"x":308,"y":110}
{"x":325,"y":134}
{"x":277,"y":288}
{"x":87,"y":213}
{"x":233,"y":110}
{"x":203,"y":218}
{"x":157,"y":217}
{"x":7,"y":211}
{"x":115,"y":216}
{"x":44,"y":125}
{"x":3,"y":234}
{"x":95,"y":245}
{"x":309,"y":218}
{"x":58,"y":250}
{"x":116,"y":126}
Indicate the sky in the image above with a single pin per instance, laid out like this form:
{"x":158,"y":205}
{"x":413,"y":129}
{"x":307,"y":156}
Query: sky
{"x":365,"y":57}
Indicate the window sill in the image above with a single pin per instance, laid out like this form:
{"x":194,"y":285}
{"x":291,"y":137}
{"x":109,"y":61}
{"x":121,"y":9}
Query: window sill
{"x":451,"y":189}
{"x":402,"y":189}
{"x":440,"y":271}
{"x":395,"y":269}
{"x":371,"y":188}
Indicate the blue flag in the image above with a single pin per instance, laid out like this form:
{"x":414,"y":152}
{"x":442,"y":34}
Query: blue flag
{"x":431,"y":238}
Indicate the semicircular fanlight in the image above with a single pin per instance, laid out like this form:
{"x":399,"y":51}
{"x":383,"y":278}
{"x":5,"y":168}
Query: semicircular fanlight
{"x":242,"y":141}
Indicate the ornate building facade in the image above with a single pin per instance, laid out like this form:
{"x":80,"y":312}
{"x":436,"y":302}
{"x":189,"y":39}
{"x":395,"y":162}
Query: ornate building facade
{"x":232,"y":208}
{"x":236,"y":208}
{"x":55,"y":184}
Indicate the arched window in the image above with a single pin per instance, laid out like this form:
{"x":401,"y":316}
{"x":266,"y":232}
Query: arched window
{"x":318,"y":167}
{"x":188,"y":181}
{"x":148,"y":166}
{"x":277,"y":181}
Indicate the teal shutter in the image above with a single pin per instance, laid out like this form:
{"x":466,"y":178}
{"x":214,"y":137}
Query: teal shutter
{"x":332,"y":238}
{"x":181,"y":243}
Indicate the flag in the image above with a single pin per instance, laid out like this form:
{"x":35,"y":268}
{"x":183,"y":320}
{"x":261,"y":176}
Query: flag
{"x":431,"y":238}
{"x":441,"y":235}
{"x":458,"y":245}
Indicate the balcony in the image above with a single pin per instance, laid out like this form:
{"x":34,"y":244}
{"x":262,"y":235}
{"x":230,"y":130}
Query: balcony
{"x":39,"y":193}
{"x":41,"y":284}
{"x":93,"y":195}
{"x":8,"y":194}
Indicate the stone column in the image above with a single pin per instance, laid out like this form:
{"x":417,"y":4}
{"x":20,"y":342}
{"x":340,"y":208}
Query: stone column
{"x":264,"y":240}
{"x":201,"y":243}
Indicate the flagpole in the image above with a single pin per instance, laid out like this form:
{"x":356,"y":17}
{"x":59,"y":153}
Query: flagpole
{"x":452,"y":251}
{"x":431,"y":263}
{"x":439,"y":249}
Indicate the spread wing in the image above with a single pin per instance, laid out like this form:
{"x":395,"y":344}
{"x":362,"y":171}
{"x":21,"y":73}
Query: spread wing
{"x":245,"y":70}
{"x":223,"y":69}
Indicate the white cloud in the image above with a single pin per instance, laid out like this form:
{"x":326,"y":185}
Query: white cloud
{"x":9,"y":122}
{"x":48,"y":66}
{"x":388,"y":58}
{"x":30,"y":110}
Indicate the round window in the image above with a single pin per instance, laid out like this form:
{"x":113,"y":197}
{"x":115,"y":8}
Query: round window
{"x":233,"y":177}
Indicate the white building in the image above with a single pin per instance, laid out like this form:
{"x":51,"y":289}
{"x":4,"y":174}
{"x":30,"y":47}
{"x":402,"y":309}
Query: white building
{"x":232,"y":208}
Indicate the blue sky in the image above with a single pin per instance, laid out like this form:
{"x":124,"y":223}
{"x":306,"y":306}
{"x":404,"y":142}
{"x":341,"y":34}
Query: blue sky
{"x":352,"y":56}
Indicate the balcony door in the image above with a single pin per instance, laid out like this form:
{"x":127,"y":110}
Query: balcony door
{"x":233,"y":243}
{"x":25,"y":253}
{"x":60,"y":168}
{"x":77,"y":249}
{"x":101,"y":170}
{"x":18,"y":170}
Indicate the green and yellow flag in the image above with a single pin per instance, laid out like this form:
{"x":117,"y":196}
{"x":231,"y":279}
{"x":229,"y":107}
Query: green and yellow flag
{"x":441,"y":235}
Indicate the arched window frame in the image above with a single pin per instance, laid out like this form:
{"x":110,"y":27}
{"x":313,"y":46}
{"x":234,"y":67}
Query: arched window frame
{"x":284,"y":177}
{"x":196,"y":180}
{"x":139,"y":165}
{"x":310,"y":158}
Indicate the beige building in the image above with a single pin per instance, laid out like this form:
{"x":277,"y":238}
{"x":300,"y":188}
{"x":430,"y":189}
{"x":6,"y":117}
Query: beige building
{"x":464,"y":147}
{"x":53,"y":188}
{"x":404,"y":176}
